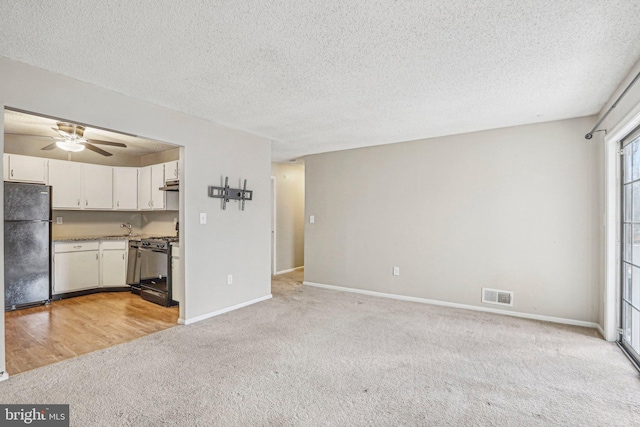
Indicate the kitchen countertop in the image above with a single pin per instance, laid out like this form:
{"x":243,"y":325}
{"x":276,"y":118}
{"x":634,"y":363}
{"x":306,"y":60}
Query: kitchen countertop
{"x":86,"y":238}
{"x":113,"y":237}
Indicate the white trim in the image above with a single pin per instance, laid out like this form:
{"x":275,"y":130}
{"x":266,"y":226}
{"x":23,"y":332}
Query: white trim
{"x":181,"y":321}
{"x":274,"y":233}
{"x":289,"y":270}
{"x":456,"y":305}
{"x":599,"y":328}
{"x":612,"y":222}
{"x":4,"y":376}
{"x":225,"y":310}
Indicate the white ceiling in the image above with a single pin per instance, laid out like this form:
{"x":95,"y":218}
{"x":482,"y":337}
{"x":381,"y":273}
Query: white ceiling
{"x":318,"y":76}
{"x":29,"y":129}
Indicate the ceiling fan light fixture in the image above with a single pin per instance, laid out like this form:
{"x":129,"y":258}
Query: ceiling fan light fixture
{"x":70,"y":146}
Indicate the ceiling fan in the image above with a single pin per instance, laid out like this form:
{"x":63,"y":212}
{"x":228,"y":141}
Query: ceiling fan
{"x":72,"y":139}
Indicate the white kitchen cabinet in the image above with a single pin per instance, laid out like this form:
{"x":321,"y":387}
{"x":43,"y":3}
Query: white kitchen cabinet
{"x":76,"y":266}
{"x":27,"y":169}
{"x":125,"y":188}
{"x":66,"y":181}
{"x":171,"y":171}
{"x":150,"y":197}
{"x":144,"y":188}
{"x":98,"y":186}
{"x":157,"y":181}
{"x":113,"y":263}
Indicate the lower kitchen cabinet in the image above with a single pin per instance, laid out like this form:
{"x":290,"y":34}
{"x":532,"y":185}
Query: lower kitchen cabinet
{"x":114,"y":263}
{"x":87,"y":265}
{"x":76,"y":266}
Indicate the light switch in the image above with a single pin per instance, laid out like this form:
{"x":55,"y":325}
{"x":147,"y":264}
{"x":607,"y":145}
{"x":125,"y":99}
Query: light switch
{"x":203,"y":217}
{"x":396,"y":271}
{"x":312,"y":219}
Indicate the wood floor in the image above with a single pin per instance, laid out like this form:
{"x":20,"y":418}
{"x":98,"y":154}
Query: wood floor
{"x":67,"y":328}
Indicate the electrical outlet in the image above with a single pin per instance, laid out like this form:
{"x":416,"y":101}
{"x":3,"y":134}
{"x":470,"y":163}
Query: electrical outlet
{"x":396,"y":271}
{"x":203,"y":217}
{"x":312,"y":219}
{"x":230,"y":279}
{"x":58,"y":220}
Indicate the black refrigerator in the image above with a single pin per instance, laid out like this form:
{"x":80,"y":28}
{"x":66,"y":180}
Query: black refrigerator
{"x":27,"y":245}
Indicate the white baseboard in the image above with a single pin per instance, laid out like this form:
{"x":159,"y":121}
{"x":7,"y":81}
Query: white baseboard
{"x":4,"y":377}
{"x":224,"y":310}
{"x":456,"y":305}
{"x":288,"y":270}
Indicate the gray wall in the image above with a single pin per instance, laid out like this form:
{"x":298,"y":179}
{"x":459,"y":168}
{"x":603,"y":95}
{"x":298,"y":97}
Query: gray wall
{"x":232,"y":242}
{"x":289,"y":215}
{"x":514,"y":208}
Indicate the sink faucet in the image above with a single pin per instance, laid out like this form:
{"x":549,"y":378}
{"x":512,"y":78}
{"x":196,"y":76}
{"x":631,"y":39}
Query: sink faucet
{"x":127,"y":226}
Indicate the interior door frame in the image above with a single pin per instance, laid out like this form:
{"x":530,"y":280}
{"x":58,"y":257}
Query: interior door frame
{"x":273,"y":225}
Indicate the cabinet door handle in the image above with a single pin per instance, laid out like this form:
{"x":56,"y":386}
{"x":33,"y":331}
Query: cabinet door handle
{"x":12,"y":173}
{"x":118,"y":203}
{"x":96,"y":257}
{"x":78,"y":202}
{"x":86,"y":202}
{"x":77,"y":247}
{"x":122,"y":256}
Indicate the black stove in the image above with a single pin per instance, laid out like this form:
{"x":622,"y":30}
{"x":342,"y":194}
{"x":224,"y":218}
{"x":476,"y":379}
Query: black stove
{"x":152,"y":278}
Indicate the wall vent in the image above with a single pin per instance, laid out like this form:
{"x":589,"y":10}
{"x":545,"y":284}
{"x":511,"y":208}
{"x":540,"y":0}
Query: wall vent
{"x":497,"y":296}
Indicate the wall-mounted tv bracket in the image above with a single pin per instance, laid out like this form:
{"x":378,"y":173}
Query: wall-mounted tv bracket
{"x":225,"y":193}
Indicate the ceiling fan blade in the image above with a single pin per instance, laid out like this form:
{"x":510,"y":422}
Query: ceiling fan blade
{"x":49,"y":147}
{"x":113,"y":144}
{"x":96,"y":149}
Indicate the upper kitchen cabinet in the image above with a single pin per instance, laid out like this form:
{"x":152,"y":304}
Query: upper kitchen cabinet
{"x":98,"y":186}
{"x":171,"y":171}
{"x":125,"y":188}
{"x":66,"y":181}
{"x":150,"y":197}
{"x":26,"y":169}
{"x":144,"y":188}
{"x":80,"y":186}
{"x":157,"y":181}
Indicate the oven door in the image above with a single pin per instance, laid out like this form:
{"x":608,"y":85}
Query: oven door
{"x":155,"y":284}
{"x":153,"y":264}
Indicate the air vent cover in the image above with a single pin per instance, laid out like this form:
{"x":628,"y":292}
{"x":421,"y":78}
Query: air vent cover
{"x":497,"y":296}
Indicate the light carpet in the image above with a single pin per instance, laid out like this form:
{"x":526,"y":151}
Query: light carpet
{"x":319,"y":357}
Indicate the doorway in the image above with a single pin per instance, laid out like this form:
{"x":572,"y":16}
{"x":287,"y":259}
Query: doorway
{"x":287,"y":217}
{"x":629,"y":337}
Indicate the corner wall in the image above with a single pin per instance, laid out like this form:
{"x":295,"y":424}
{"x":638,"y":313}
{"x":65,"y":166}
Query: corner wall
{"x":233,"y":241}
{"x":289,"y":215}
{"x":515,"y":208}
{"x":617,"y":125}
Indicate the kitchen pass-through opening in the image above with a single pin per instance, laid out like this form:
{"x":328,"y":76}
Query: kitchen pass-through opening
{"x":92,"y":238}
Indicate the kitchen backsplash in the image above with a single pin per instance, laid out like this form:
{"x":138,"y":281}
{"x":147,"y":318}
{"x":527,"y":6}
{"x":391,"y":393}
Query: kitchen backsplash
{"x":101,"y":223}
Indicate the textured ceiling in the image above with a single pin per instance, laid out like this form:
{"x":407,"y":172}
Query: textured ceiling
{"x":318,"y":76}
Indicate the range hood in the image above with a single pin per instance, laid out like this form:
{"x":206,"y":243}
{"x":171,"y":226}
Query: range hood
{"x":171,"y":185}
